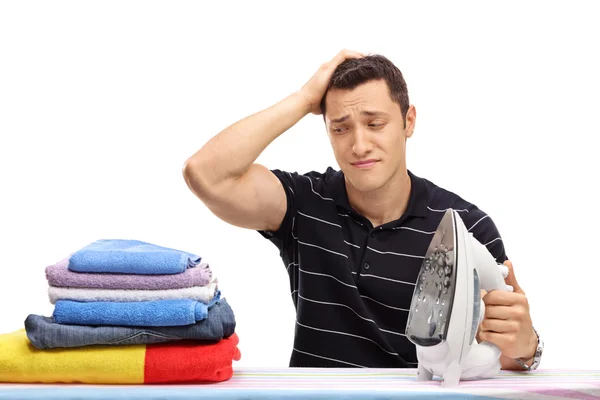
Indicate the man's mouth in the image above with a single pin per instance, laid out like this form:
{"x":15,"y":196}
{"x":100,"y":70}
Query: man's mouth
{"x":364,"y":163}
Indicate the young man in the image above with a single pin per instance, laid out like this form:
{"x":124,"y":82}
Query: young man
{"x":352,"y":240}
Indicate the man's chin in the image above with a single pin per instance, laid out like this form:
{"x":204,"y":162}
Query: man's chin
{"x":365,"y":182}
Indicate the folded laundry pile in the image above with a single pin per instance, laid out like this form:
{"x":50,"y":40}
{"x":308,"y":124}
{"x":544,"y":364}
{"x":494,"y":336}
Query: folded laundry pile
{"x":129,"y":312}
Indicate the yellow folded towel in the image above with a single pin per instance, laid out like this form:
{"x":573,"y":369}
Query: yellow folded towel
{"x":20,"y":362}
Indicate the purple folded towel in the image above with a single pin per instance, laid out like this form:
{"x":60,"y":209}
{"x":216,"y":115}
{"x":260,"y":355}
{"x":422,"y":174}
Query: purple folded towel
{"x":60,"y":275}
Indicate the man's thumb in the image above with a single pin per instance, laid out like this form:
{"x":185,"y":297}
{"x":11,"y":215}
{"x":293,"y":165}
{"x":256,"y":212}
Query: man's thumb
{"x":511,"y":279}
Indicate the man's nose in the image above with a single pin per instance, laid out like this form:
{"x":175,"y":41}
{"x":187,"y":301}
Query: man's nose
{"x":362,"y":144}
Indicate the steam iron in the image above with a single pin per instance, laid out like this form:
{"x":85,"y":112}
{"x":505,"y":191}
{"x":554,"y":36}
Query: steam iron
{"x":447,"y":308}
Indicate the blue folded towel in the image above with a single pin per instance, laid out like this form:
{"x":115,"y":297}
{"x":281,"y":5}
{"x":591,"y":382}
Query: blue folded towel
{"x":123,"y":256}
{"x":176,"y":312}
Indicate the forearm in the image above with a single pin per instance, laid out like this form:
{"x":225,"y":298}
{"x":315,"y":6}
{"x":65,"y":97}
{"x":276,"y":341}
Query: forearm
{"x":231,"y":152}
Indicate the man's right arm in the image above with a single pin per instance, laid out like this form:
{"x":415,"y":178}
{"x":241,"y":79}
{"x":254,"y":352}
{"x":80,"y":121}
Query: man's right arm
{"x":223,"y":173}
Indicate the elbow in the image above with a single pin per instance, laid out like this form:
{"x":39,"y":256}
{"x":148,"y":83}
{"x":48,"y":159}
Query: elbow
{"x":188,"y":169}
{"x":195,"y":176}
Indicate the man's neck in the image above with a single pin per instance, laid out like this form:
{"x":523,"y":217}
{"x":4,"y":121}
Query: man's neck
{"x":385,"y":204}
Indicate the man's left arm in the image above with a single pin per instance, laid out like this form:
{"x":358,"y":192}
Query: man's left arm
{"x":507,"y":321}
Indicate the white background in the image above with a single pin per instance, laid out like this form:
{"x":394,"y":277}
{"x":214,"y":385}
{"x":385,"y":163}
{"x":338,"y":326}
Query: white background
{"x":102,"y":102}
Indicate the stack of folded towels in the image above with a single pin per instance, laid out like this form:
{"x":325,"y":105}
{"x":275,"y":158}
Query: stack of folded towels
{"x":129,"y":312}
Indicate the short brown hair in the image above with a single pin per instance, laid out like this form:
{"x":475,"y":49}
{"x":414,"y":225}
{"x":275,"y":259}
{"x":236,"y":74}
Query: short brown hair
{"x":356,"y":71}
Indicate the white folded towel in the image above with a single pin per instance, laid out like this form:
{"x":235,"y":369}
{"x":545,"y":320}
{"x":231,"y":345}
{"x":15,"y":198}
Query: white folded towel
{"x":203,"y":294}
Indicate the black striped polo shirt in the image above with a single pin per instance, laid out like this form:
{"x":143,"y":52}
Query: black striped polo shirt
{"x":352,"y":283}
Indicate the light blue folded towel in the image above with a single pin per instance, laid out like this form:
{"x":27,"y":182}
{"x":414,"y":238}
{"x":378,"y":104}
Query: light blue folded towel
{"x":124,"y":256}
{"x":176,"y":312}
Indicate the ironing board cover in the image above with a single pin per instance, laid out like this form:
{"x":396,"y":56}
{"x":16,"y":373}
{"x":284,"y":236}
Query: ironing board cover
{"x":310,"y":383}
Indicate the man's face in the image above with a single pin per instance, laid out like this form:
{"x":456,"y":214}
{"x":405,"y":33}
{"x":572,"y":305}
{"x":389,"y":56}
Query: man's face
{"x":367,"y":133}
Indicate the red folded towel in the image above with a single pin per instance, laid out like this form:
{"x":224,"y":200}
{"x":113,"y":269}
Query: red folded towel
{"x":188,"y":361}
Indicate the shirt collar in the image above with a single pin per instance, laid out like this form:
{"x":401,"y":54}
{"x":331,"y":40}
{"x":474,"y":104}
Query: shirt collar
{"x":417,"y":202}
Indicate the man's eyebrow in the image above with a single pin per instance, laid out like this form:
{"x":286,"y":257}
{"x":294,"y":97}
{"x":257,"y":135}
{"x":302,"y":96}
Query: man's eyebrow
{"x":338,"y":120}
{"x":366,"y":112}
{"x":374,"y":113}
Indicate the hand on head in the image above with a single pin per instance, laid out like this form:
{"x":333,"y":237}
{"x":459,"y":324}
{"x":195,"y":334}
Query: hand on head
{"x":314,"y":90}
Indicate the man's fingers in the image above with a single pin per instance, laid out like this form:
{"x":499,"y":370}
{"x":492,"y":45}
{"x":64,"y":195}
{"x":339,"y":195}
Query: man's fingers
{"x":511,"y":279}
{"x":505,"y":298}
{"x":501,"y":340}
{"x":499,"y":325}
{"x":502,"y":298}
{"x":329,"y":67}
{"x":345,"y":54}
{"x":351,"y":53}
{"x":339,"y":58}
{"x":498,"y":312}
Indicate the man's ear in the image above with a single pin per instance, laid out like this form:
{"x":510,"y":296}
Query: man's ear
{"x":410,"y":121}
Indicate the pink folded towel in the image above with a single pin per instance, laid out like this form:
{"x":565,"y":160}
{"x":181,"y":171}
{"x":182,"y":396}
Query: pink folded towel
{"x":60,"y":275}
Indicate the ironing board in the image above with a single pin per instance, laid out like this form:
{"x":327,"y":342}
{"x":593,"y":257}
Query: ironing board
{"x":309,"y":383}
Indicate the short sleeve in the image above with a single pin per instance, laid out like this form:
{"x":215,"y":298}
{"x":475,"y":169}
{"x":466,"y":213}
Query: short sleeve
{"x":485,"y":231}
{"x":289,"y":181}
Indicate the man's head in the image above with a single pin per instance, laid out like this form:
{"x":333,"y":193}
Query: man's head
{"x":356,"y":71}
{"x":368,"y":118}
